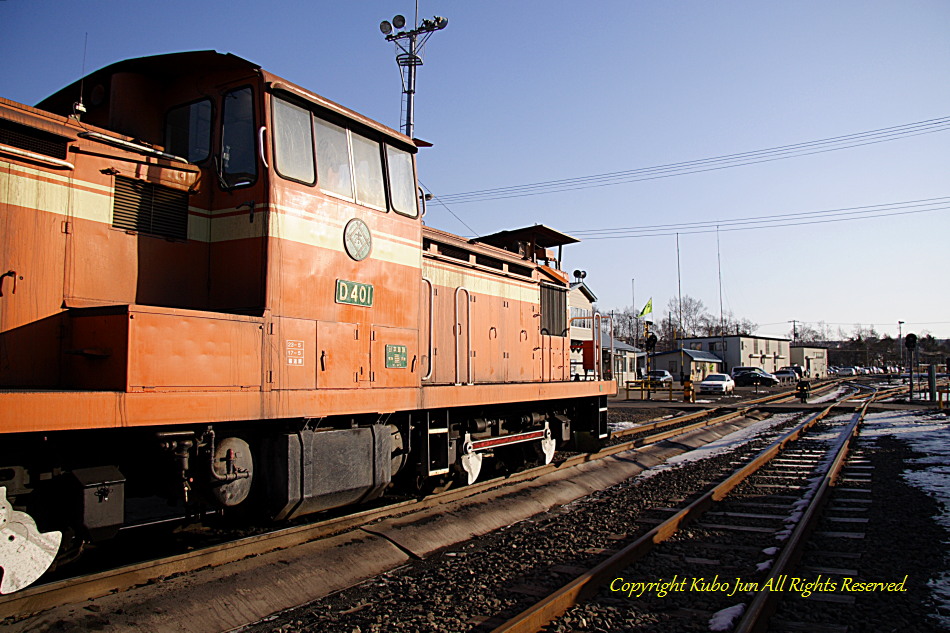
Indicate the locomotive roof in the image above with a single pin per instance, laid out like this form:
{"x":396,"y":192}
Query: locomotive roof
{"x":171,"y":67}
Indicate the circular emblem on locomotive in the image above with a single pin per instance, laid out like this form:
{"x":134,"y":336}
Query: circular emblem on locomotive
{"x":357,"y":239}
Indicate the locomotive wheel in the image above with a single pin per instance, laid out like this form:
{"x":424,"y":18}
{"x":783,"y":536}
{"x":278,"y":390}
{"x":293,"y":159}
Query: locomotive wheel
{"x":25,"y":553}
{"x":433,"y":485}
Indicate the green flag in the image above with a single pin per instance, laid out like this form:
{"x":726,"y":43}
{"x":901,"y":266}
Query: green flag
{"x":647,"y":309}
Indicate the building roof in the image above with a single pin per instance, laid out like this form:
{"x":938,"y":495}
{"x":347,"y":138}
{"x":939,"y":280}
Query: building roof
{"x":761,"y":338}
{"x":585,"y":290}
{"x":694,"y":354}
{"x":619,"y":345}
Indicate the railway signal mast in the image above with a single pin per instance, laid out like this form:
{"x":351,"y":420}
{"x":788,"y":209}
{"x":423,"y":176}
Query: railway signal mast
{"x":409,"y":45}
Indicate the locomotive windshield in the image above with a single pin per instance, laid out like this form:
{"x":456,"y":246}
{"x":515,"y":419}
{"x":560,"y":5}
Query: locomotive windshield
{"x":188,"y":131}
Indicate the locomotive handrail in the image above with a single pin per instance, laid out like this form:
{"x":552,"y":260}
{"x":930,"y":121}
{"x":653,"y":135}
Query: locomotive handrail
{"x":431,"y":319}
{"x":260,"y":145}
{"x":468,"y":335}
{"x":40,"y":158}
{"x":132,"y":147}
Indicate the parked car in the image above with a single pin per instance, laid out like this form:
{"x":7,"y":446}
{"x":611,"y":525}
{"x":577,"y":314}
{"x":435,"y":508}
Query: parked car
{"x":659,"y":375}
{"x":847,"y":371}
{"x":717,"y":383}
{"x":798,"y":369}
{"x":756,"y":377}
{"x":741,"y":370}
{"x":787,"y":375}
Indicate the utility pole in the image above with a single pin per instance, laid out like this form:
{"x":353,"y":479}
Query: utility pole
{"x":900,"y":341}
{"x":794,"y":330}
{"x":410,"y":57}
{"x":636,"y":315}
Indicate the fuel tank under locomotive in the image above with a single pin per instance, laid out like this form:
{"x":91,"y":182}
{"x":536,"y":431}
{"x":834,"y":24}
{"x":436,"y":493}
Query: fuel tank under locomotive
{"x":314,"y":470}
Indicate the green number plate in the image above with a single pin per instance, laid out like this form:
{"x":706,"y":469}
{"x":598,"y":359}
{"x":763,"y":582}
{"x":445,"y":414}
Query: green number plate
{"x":397,"y":357}
{"x":354,"y":293}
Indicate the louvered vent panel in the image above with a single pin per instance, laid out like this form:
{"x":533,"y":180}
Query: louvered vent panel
{"x":32,"y":140}
{"x":148,"y":208}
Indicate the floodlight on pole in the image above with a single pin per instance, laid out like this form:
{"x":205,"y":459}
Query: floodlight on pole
{"x":409,"y":45}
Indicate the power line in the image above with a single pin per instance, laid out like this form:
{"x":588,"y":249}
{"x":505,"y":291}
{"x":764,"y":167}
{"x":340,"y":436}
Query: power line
{"x":767,"y":222}
{"x":783,"y":152}
{"x":436,"y":199}
{"x":856,"y":210}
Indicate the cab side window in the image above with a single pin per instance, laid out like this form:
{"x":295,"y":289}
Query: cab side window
{"x":402,"y":181}
{"x":293,"y":142}
{"x":368,"y":164}
{"x":333,"y":160}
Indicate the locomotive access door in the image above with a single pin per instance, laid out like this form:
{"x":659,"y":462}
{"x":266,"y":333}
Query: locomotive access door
{"x":342,"y":355}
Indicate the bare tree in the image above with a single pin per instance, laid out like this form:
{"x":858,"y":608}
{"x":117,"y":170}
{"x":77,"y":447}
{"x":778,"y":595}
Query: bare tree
{"x":689,"y":315}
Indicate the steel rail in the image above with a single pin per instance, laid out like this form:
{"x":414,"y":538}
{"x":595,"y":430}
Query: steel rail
{"x":535,"y":617}
{"x":77,"y":589}
{"x":755,"y":619}
{"x":746,"y":406}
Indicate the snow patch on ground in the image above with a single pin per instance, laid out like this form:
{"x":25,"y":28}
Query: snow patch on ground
{"x":725,"y":619}
{"x":720,"y":446}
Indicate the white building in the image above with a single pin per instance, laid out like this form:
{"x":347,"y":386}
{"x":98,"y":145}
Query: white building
{"x":744,"y":350}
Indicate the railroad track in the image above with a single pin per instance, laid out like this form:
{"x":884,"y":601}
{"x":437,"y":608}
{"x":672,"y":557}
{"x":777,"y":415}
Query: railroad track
{"x":76,"y":589}
{"x":544,"y":612}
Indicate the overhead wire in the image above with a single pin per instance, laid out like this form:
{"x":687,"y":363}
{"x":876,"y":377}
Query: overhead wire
{"x":909,"y":207}
{"x":783,"y":152}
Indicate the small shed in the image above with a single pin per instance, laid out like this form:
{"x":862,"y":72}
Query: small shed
{"x":687,"y":362}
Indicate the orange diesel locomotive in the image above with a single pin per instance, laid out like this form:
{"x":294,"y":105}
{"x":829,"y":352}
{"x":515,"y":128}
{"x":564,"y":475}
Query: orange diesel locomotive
{"x":217,"y":289}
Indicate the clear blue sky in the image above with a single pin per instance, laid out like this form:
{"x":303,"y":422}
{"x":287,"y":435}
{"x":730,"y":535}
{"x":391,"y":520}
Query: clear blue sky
{"x":513,"y":93}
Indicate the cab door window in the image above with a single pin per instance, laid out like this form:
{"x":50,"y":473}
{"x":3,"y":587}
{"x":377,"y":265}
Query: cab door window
{"x":238,"y":143}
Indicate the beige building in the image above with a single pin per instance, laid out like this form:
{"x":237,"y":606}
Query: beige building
{"x":580,"y":301}
{"x":813,"y":359}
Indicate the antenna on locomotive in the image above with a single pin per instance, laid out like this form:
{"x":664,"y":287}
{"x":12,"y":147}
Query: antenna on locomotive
{"x":408,"y":57}
{"x":78,"y":108}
